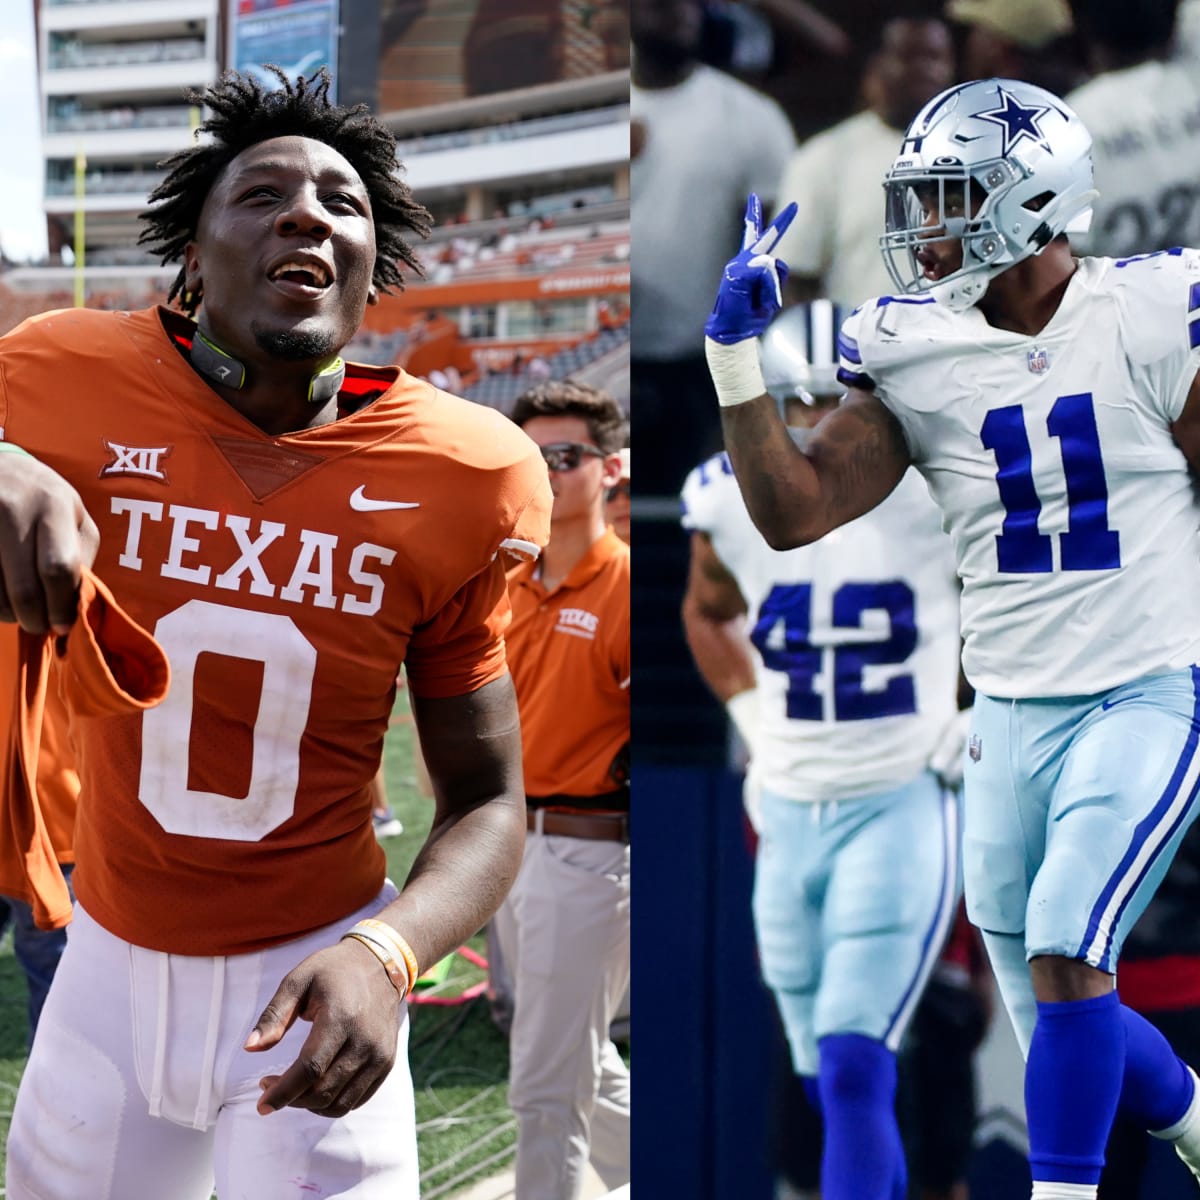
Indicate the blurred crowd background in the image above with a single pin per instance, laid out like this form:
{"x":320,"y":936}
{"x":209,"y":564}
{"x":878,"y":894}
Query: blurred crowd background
{"x":512,"y":122}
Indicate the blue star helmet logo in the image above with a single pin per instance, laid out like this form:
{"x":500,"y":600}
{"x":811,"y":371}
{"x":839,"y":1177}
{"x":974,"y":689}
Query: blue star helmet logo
{"x":1018,"y":121}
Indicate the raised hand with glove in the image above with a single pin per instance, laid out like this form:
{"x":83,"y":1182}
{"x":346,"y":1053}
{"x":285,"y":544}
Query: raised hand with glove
{"x":750,"y":295}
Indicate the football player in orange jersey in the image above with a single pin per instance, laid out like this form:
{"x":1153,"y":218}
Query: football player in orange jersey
{"x":291,"y":529}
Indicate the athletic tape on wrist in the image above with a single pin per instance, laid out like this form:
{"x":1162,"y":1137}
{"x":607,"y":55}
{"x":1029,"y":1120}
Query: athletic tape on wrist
{"x":743,"y":712}
{"x":735,"y":371}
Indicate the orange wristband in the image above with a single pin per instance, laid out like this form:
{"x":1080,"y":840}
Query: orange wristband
{"x":381,"y":929}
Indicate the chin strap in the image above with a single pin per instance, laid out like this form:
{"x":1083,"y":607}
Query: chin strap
{"x":221,"y":367}
{"x":960,"y":294}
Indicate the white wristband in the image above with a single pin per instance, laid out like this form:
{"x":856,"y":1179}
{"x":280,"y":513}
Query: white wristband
{"x":735,"y":371}
{"x":743,"y":712}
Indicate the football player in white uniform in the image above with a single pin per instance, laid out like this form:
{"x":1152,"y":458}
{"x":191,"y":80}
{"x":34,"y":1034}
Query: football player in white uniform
{"x":839,"y":663}
{"x":1052,"y":405}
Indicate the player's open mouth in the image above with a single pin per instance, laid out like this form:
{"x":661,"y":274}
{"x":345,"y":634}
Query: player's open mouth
{"x":930,"y":266}
{"x":301,"y":277}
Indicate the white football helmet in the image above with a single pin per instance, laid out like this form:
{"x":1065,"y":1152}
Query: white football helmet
{"x":798,"y":352}
{"x":1021,"y":157}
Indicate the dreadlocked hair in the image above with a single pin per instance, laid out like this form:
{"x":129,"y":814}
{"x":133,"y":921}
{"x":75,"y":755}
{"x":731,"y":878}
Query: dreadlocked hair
{"x":245,"y":113}
{"x":567,"y":398}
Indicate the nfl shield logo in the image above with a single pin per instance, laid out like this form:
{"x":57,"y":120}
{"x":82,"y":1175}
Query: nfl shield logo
{"x":1039,"y":361}
{"x":975,"y":747}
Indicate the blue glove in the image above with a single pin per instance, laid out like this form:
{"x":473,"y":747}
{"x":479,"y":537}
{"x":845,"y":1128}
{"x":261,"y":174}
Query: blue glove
{"x":751,"y":290}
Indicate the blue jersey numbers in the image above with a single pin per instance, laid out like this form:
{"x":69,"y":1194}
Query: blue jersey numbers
{"x":1088,"y":544}
{"x":782,"y":635}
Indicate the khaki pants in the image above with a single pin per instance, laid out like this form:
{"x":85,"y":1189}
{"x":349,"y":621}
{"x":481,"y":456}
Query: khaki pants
{"x":564,"y":933}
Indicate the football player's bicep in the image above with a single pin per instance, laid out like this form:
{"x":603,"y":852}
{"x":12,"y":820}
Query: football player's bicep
{"x":1186,"y":430}
{"x":471,"y":745}
{"x":859,"y":453}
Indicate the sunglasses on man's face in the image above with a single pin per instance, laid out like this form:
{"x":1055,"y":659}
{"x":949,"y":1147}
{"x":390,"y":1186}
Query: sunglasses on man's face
{"x":621,"y":491}
{"x":566,"y":456}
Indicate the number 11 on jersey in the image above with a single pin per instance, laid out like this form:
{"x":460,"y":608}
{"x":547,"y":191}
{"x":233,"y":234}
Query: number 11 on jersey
{"x":1088,"y":544}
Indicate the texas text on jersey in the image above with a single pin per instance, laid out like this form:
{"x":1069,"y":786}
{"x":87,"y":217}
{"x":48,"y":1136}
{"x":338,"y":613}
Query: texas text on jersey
{"x":284,"y":621}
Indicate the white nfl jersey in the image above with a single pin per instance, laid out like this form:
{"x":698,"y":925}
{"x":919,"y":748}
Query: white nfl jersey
{"x":1069,"y":504}
{"x":857,"y":638}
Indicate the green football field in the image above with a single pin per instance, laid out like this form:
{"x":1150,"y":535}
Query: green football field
{"x":459,"y":1059}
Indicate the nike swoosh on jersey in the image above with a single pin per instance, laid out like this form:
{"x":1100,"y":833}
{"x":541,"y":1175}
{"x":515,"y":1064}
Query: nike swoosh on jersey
{"x":362,"y":503}
{"x":1107,"y":704}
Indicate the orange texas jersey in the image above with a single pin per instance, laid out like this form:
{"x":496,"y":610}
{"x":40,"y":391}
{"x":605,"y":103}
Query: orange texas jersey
{"x":110,"y":665}
{"x":287,"y":578}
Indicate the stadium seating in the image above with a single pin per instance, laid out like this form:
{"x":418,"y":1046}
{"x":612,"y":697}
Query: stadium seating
{"x":499,"y":391}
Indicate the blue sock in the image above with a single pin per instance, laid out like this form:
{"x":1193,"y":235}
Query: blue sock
{"x":1072,"y":1081}
{"x":1157,"y":1088}
{"x":863,"y":1158}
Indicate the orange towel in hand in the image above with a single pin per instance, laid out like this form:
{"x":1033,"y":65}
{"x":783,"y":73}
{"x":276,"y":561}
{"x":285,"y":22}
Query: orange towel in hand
{"x":107,"y":665}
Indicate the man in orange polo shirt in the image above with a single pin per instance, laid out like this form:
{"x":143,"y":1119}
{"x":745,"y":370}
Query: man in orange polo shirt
{"x":564,"y":928}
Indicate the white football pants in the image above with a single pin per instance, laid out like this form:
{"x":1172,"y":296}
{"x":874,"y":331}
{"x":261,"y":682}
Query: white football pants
{"x":137,"y":1086}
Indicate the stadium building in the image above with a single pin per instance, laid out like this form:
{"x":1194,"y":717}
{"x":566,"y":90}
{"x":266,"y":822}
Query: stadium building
{"x":513,"y":124}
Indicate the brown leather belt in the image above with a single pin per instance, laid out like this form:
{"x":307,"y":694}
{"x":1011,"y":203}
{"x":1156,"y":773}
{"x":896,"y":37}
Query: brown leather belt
{"x":597,"y":826}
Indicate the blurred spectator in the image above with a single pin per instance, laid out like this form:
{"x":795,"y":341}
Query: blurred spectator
{"x":736,"y":38}
{"x":1187,"y":31}
{"x":618,"y":501}
{"x":745,"y":39}
{"x":1143,"y":112}
{"x":702,"y":141}
{"x":1018,"y":39}
{"x":832,"y":248}
{"x":815,"y":29}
